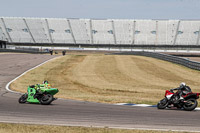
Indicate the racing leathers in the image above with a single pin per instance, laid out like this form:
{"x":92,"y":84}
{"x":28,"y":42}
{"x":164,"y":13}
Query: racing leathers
{"x":182,"y":90}
{"x":38,"y":87}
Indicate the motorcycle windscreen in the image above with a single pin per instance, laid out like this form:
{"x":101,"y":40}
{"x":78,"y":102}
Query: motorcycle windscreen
{"x":51,"y":91}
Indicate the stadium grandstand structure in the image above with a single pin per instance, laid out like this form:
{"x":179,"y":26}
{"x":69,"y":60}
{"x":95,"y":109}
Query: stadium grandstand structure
{"x":99,"y":32}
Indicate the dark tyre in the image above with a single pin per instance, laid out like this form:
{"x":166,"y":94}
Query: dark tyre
{"x":23,"y":98}
{"x":46,"y":99}
{"x":162,"y":104}
{"x":190,"y":105}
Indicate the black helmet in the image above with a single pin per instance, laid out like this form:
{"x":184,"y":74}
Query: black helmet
{"x":45,"y":81}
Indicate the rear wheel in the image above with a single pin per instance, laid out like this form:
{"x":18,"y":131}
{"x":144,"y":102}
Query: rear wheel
{"x":190,"y":105}
{"x":23,"y":98}
{"x":46,"y":99}
{"x":162,"y":104}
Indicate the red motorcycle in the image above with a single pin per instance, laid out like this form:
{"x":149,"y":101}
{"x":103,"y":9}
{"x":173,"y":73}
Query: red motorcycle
{"x":189,"y":101}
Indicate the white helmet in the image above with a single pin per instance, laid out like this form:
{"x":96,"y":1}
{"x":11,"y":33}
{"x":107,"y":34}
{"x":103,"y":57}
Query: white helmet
{"x":182,"y":84}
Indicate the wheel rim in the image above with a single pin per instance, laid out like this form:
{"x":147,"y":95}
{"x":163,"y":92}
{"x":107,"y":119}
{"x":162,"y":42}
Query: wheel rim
{"x":190,"y":103}
{"x":46,"y":98}
{"x":23,"y":98}
{"x":163,"y":102}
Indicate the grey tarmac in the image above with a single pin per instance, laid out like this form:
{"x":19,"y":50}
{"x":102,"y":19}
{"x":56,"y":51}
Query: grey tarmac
{"x":82,"y":113}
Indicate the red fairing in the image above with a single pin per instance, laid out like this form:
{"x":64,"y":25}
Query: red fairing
{"x":187,"y":94}
{"x":192,"y":93}
{"x":168,"y":93}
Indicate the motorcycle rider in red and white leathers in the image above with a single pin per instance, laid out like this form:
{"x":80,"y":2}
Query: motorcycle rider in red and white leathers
{"x":182,"y":90}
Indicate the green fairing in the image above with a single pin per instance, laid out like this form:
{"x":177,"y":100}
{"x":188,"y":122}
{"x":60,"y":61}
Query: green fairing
{"x":51,"y":91}
{"x":42,"y":89}
{"x":31,"y":93}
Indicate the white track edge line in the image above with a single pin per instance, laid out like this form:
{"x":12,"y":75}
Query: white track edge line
{"x":142,"y":105}
{"x":8,"y":84}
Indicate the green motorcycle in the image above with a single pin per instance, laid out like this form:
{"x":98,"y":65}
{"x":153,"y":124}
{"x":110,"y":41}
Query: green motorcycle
{"x":42,"y":95}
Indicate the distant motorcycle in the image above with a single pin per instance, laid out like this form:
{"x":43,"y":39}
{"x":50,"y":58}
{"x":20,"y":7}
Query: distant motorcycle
{"x":45,"y":96}
{"x":171,"y":99}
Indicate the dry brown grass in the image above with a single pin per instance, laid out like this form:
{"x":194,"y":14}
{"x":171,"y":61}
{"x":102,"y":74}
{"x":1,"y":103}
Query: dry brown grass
{"x":110,"y":78}
{"x":22,"y":128}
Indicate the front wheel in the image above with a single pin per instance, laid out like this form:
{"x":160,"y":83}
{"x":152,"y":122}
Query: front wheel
{"x":190,"y":104}
{"x":23,"y":98}
{"x":162,"y":104}
{"x":46,"y":99}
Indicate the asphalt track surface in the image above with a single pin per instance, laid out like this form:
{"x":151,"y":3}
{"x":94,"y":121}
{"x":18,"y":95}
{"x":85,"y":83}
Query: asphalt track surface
{"x":81,"y":113}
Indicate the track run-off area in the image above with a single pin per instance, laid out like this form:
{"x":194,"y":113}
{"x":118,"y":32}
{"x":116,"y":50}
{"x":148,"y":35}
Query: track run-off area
{"x":81,"y":113}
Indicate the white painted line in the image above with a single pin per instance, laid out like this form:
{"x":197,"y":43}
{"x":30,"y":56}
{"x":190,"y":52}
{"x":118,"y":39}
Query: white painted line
{"x":120,"y":103}
{"x":8,"y":85}
{"x":197,"y":109}
{"x":142,"y":105}
{"x":131,"y":104}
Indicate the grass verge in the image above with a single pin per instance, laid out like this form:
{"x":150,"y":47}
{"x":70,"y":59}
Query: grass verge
{"x":24,"y":128}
